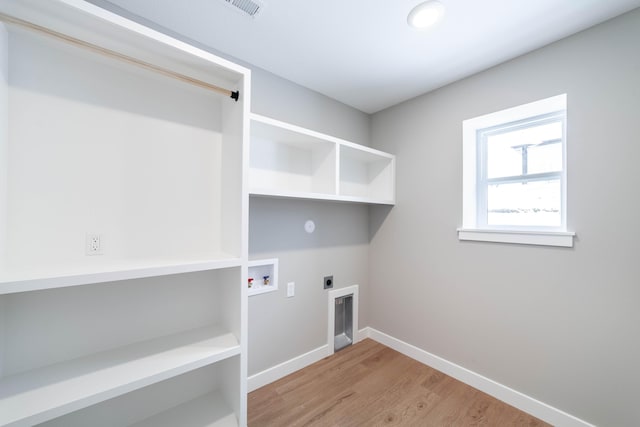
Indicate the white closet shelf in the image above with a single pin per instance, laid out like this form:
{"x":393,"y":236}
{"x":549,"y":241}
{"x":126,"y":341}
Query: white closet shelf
{"x":46,"y":393}
{"x":104,"y":270}
{"x":207,"y":411}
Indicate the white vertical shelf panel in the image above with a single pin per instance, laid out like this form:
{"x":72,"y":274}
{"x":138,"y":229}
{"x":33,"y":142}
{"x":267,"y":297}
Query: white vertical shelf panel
{"x":293,"y":162}
{"x":45,"y":393}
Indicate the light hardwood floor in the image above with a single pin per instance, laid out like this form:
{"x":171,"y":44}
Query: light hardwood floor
{"x":369,"y":384}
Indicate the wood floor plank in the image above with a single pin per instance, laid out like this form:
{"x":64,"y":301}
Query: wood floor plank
{"x":368,"y":384}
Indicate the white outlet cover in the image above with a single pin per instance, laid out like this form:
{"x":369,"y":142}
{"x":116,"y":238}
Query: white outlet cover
{"x":93,"y":244}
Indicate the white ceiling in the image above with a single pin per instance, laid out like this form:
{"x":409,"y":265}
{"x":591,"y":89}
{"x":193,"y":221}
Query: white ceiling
{"x":362,"y":53}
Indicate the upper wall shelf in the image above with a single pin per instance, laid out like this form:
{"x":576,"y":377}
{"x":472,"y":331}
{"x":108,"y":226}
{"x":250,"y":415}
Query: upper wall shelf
{"x":291,"y":161}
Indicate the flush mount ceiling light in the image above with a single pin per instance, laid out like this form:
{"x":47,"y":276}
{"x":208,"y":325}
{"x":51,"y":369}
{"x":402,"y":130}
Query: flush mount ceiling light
{"x":426,"y":14}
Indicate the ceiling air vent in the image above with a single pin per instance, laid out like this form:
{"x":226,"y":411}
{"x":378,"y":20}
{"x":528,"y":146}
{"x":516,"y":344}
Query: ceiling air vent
{"x":247,"y":7}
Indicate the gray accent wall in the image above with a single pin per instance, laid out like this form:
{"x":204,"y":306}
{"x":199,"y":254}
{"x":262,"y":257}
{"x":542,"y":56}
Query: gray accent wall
{"x":560,"y":325}
{"x":281,"y":99}
{"x":282,"y":328}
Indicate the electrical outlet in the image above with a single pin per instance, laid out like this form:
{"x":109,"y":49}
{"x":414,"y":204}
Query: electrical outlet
{"x":93,"y":244}
{"x":291,"y":289}
{"x":328,"y":282}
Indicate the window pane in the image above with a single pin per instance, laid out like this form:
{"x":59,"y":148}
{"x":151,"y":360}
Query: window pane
{"x":534,"y":149}
{"x":546,"y":157}
{"x":534,"y":203}
{"x":502,"y":158}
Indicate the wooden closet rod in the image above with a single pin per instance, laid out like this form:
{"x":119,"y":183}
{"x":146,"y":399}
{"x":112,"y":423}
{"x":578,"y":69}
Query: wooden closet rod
{"x":112,"y":54}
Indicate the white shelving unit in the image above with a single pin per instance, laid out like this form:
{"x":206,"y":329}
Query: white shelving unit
{"x":291,"y":161}
{"x":156,"y":166}
{"x":183,"y":400}
{"x":258,"y":269}
{"x":68,"y":348}
{"x":58,"y":389}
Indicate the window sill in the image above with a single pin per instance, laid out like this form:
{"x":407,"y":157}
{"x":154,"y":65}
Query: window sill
{"x":543,"y":238}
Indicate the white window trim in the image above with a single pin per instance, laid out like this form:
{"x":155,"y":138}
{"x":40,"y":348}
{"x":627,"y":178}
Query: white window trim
{"x":543,"y":238}
{"x":470,"y":229}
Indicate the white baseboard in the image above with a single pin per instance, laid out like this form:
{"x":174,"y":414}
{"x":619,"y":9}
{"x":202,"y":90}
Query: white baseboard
{"x":363,"y":333}
{"x":501,"y":392}
{"x":274,"y":373}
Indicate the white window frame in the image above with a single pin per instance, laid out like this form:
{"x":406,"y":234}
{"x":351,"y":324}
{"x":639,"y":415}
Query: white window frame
{"x":475,"y":229}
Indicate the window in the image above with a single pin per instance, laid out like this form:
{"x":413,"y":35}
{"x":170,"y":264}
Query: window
{"x":515,"y":175}
{"x":519,"y":182}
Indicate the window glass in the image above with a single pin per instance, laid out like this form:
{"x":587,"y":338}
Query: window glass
{"x":545,"y":157}
{"x":525,"y":150}
{"x":502,"y":159}
{"x":533,"y":203}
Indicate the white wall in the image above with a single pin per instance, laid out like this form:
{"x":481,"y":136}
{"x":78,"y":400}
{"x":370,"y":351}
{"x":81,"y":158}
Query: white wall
{"x":284,"y":100}
{"x":560,"y":325}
